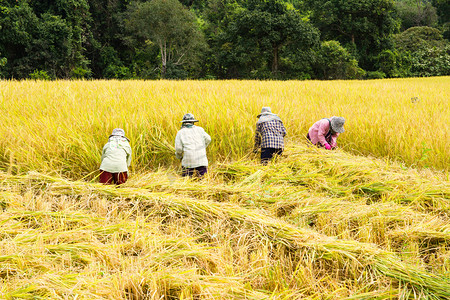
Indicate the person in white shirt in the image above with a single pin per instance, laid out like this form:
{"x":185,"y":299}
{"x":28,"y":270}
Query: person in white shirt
{"x":116,"y":158}
{"x":190,"y":146}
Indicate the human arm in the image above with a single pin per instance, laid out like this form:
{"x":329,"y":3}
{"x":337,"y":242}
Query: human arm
{"x":104,"y":151}
{"x":323,"y":129}
{"x":334,"y":140}
{"x":257,"y":139}
{"x":178,"y":146}
{"x":283,"y":130}
{"x":128,"y":151}
{"x":207,"y":138}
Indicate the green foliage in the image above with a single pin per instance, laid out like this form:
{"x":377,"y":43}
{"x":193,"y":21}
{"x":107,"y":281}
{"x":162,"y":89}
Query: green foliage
{"x":335,"y":62}
{"x":260,"y":38}
{"x":39,"y":75}
{"x":443,"y":10}
{"x":367,"y":24}
{"x":171,"y":27}
{"x":375,"y":75}
{"x":80,"y":73}
{"x":393,"y":63}
{"x":34,"y":38}
{"x":419,"y":37}
{"x":431,"y":62}
{"x":428,"y":53}
{"x":416,"y":13}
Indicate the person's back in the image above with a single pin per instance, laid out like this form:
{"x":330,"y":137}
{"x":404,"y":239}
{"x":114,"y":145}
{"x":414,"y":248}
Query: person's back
{"x":193,"y":142}
{"x":324,"y":133}
{"x":116,"y":153}
{"x":269,"y":135}
{"x":272,"y":134}
{"x":190,"y":146}
{"x":116,"y":158}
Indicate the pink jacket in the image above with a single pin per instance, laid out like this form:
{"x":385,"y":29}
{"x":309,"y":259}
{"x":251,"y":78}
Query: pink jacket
{"x":319,"y":130}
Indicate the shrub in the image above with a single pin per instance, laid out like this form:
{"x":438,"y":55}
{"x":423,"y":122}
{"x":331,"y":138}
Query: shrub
{"x":40,"y":75}
{"x":375,"y":75}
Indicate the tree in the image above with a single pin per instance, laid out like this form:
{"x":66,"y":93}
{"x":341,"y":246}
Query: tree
{"x":419,"y":38}
{"x":416,"y":13}
{"x":363,"y":25}
{"x":429,"y":53}
{"x":335,"y":62}
{"x":18,"y":27}
{"x":171,"y":27}
{"x":52,"y":47}
{"x":44,"y":36}
{"x":259,"y":35}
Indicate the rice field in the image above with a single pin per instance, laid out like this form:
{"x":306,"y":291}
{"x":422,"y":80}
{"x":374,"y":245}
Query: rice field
{"x":61,"y":126}
{"x":367,"y":221}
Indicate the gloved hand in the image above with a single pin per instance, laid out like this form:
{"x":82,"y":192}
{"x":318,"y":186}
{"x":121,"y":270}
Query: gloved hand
{"x":327,"y":146}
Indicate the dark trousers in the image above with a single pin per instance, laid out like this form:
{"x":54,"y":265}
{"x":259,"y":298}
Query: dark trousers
{"x":113,"y":178}
{"x":268,"y":153}
{"x":198,"y":172}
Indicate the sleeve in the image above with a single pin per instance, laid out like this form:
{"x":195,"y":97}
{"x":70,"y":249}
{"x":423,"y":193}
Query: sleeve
{"x":104,"y":151}
{"x":129,"y":156}
{"x":207,"y":138}
{"x":323,"y":130}
{"x":283,"y":130}
{"x":334,"y":140}
{"x":257,"y":138}
{"x":178,"y":146}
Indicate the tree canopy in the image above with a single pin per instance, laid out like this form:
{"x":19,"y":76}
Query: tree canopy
{"x":261,"y":39}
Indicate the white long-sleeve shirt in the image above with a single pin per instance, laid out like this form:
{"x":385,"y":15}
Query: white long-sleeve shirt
{"x":190,"y":146}
{"x":116,"y":155}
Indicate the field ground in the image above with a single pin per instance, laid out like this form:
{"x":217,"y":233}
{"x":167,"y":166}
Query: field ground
{"x":367,"y":221}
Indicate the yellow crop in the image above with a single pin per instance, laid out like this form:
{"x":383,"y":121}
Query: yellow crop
{"x":62,"y":125}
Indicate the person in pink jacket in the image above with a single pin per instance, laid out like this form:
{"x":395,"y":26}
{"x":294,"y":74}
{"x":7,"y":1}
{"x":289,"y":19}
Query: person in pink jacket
{"x":324,"y":132}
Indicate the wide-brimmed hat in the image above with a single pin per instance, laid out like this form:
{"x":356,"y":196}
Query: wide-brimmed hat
{"x":337,"y":124}
{"x":118,"y":132}
{"x":265,"y":111}
{"x":188,"y":118}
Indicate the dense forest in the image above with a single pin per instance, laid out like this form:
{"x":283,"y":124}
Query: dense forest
{"x":224,"y":39}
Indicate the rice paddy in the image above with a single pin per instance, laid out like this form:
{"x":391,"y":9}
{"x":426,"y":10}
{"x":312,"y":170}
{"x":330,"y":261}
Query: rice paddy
{"x":367,"y":221}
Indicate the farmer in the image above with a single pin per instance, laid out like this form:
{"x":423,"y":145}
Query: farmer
{"x":116,"y":158}
{"x":324,"y":132}
{"x":269,"y":135}
{"x":190,"y":146}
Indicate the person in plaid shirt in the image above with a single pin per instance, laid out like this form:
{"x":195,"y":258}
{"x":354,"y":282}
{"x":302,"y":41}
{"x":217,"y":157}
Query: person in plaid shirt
{"x":269,"y":135}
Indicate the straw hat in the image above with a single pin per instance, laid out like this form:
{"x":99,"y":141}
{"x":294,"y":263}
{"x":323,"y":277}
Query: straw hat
{"x":265,"y":111}
{"x":188,"y":118}
{"x":337,"y":124}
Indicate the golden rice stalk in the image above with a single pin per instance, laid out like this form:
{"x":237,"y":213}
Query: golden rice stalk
{"x":365,"y":256}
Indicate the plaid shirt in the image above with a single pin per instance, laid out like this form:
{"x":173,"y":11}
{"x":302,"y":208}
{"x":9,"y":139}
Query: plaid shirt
{"x":270,"y":135}
{"x":190,"y":146}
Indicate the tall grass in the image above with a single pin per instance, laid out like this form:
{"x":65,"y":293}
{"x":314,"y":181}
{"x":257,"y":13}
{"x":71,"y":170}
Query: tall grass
{"x":62,"y":125}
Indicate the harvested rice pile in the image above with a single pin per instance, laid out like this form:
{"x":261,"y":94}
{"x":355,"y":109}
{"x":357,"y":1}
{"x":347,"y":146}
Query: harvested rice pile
{"x":312,"y":225}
